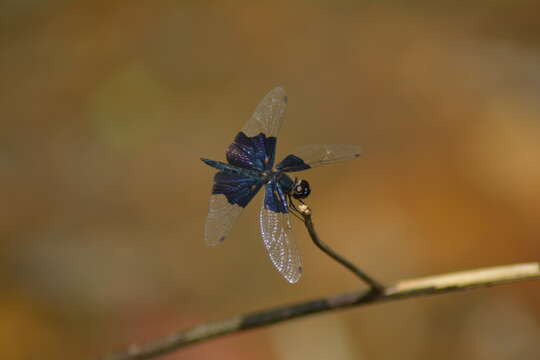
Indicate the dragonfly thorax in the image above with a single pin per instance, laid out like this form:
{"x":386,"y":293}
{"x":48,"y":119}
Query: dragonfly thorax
{"x":298,"y":189}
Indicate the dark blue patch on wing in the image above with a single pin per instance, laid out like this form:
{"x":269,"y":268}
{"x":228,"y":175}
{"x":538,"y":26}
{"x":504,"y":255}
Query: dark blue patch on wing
{"x":237,"y":189}
{"x":292,"y":163}
{"x":256,"y":152}
{"x":274,"y":198}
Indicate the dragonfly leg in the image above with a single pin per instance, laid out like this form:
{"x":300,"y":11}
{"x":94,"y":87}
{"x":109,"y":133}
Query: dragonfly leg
{"x":293,"y":208}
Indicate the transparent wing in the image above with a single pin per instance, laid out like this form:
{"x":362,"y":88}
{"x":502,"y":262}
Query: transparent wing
{"x":309,"y":156}
{"x":278,"y":238}
{"x":221,"y":217}
{"x":268,"y":114}
{"x":230,"y":195}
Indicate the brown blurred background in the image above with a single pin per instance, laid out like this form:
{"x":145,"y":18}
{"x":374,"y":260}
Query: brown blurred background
{"x":106,"y":107}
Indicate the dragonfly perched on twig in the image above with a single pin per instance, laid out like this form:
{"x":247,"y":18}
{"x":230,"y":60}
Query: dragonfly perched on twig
{"x":250,"y":166}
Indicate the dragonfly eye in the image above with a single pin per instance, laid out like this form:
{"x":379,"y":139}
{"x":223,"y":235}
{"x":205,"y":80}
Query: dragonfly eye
{"x":301,"y":190}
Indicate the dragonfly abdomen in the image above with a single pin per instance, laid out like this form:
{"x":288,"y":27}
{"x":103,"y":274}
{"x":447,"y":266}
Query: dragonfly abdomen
{"x":231,"y":169}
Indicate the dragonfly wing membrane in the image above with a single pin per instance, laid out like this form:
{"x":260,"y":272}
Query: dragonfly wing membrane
{"x":230,"y":195}
{"x":277,"y":236}
{"x":309,"y":156}
{"x":221,"y":217}
{"x":268,"y":114}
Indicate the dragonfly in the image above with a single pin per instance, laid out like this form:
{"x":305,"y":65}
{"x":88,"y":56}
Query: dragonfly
{"x":250,"y":166}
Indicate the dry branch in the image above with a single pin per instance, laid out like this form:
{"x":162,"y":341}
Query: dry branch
{"x":432,"y":285}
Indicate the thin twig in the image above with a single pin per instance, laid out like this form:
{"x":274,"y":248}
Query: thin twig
{"x":303,"y":212}
{"x":402,"y":290}
{"x":375,"y":286}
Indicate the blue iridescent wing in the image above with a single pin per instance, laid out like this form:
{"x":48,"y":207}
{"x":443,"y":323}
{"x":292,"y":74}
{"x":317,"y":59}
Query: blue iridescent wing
{"x":277,"y":236}
{"x":255,"y":145}
{"x":309,"y":156}
{"x":230,"y":195}
{"x":254,"y":153}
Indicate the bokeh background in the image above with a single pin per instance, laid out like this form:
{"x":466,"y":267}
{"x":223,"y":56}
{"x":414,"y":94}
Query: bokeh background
{"x":107,"y":106}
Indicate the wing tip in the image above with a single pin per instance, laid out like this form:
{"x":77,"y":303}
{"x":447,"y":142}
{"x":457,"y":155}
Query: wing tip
{"x":280,"y":90}
{"x":358,"y":151}
{"x":296,"y":276}
{"x":214,"y":242}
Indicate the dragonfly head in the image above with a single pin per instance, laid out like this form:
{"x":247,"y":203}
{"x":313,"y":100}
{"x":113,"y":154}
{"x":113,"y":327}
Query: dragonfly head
{"x":301,"y":189}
